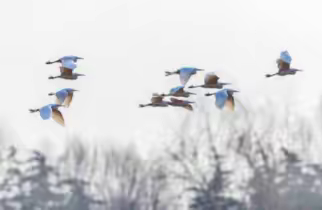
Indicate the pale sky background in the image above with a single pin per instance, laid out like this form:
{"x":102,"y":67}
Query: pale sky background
{"x":127,"y":46}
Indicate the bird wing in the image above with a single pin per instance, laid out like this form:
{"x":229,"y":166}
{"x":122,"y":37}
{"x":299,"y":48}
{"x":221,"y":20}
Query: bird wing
{"x":221,"y":97}
{"x":282,"y":66}
{"x":177,"y":101}
{"x":211,"y":78}
{"x":69,"y":99}
{"x":285,"y":56}
{"x":58,"y":117}
{"x":66,"y":71}
{"x":230,"y":103}
{"x":178,"y":89}
{"x":45,"y":112}
{"x":69,"y":64}
{"x":185,"y":75}
{"x":156,"y":98}
{"x":189,"y":107}
{"x":61,"y":96}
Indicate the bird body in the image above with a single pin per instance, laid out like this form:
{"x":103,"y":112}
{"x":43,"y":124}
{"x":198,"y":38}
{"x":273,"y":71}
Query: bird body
{"x":224,"y":98}
{"x":211,"y":81}
{"x":283,"y":64}
{"x":50,"y":111}
{"x":185,"y":73}
{"x":181,"y":103}
{"x":64,"y":96}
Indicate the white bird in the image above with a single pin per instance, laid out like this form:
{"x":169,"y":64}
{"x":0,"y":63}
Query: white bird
{"x":283,"y":64}
{"x":64,"y":96}
{"x":185,"y":73}
{"x":224,"y":98}
{"x":50,"y":111}
{"x":211,"y":81}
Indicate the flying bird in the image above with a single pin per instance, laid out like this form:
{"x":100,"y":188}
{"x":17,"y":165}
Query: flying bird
{"x":224,"y":98}
{"x":185,"y":73}
{"x":66,"y":58}
{"x":64,"y":96}
{"x":211,"y":81}
{"x":283,"y":64}
{"x":66,"y":71}
{"x":156,"y":101}
{"x":178,"y":92}
{"x":181,"y":103}
{"x":50,"y":111}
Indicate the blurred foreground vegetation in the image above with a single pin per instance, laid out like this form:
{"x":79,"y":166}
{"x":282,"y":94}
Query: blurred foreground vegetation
{"x":210,"y":168}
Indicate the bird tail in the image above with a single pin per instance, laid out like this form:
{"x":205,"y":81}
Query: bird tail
{"x":33,"y":110}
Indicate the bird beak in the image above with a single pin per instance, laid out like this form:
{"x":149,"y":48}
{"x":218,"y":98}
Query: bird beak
{"x":75,"y":90}
{"x":200,"y":69}
{"x":51,"y":94}
{"x":191,"y":93}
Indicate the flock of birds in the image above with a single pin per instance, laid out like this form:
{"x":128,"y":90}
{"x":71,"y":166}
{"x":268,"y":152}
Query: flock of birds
{"x":223,"y":98}
{"x":64,"y":96}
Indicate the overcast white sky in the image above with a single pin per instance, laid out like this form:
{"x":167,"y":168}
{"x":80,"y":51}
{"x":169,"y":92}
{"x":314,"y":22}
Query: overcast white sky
{"x":127,"y":46}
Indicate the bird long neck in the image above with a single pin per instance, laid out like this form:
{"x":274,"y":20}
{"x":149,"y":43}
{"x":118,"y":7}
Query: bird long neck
{"x":51,"y":77}
{"x":196,"y":86}
{"x":143,"y":105}
{"x":168,"y":73}
{"x":270,"y":75}
{"x":33,"y":110}
{"x":51,"y":62}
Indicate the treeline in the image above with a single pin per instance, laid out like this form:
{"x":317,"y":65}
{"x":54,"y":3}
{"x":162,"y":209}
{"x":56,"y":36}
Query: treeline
{"x":210,"y":168}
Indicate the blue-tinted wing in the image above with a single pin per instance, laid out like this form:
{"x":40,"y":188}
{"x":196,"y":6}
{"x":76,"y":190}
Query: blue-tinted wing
{"x":285,"y":56}
{"x":45,"y":112}
{"x":61,"y":96}
{"x":185,"y":74}
{"x":69,"y":64}
{"x":176,"y":89}
{"x":221,"y":97}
